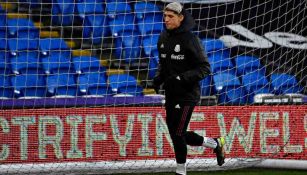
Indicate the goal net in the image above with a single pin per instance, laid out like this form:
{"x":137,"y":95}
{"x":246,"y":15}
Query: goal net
{"x":76,"y":91}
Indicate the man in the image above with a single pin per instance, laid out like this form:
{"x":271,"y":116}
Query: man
{"x":182,"y":64}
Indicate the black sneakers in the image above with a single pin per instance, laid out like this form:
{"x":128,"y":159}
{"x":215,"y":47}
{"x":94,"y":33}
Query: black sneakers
{"x":219,"y":150}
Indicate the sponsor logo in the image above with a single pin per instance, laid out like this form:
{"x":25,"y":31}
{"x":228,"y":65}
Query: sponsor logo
{"x":163,"y":55}
{"x":162,"y":46}
{"x":177,"y":57}
{"x":283,"y":39}
{"x":177,"y":48}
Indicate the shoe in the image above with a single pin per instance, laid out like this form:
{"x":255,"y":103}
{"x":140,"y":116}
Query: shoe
{"x":219,"y":150}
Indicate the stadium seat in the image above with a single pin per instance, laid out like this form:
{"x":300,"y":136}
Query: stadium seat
{"x":215,"y":46}
{"x":151,"y":24}
{"x":220,"y":63}
{"x":115,"y":8}
{"x":125,"y":84}
{"x":62,"y":12}
{"x":150,"y":43}
{"x":87,"y":64}
{"x":23,"y":46}
{"x":22,"y":28}
{"x":24,"y":55}
{"x":205,"y":86}
{"x":3,"y":52}
{"x":120,"y":18}
{"x":245,"y":64}
{"x":94,"y":21}
{"x":57,"y":63}
{"x":93,"y":84}
{"x":122,"y":23}
{"x":149,"y":18}
{"x":153,"y":66}
{"x":255,"y":83}
{"x":284,"y":83}
{"x":62,"y":85}
{"x":55,"y":56}
{"x":29,"y":86}
{"x":3,"y":19}
{"x":49,"y":46}
{"x":140,"y":8}
{"x":5,"y":67}
{"x":128,"y":47}
{"x":6,"y":89}
{"x":229,"y":89}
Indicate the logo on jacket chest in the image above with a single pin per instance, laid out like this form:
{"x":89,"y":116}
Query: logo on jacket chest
{"x":177,"y":57}
{"x":177,"y":48}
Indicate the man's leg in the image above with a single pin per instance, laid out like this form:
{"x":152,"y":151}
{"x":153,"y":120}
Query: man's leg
{"x":177,"y":118}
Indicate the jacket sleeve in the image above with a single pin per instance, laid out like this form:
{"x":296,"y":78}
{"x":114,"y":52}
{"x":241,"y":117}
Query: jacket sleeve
{"x":159,"y":77}
{"x":200,"y":65}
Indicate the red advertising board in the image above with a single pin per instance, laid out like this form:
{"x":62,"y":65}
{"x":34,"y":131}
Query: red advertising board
{"x":140,"y":133}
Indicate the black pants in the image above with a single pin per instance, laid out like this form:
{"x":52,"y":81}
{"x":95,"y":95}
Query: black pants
{"x":177,"y":118}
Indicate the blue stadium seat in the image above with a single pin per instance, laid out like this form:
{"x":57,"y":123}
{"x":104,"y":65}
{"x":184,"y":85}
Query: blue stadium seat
{"x":22,"y":28}
{"x":229,"y":89}
{"x":255,"y":83}
{"x":151,"y":24}
{"x":57,"y":63}
{"x":122,"y":23}
{"x":3,"y":52}
{"x":205,"y":86}
{"x":149,"y":18}
{"x":62,"y":85}
{"x":150,"y":43}
{"x":94,"y":84}
{"x":125,"y":84}
{"x":3,"y":19}
{"x":284,"y":83}
{"x":128,"y":47}
{"x":62,"y":12}
{"x":120,"y":17}
{"x":215,"y":46}
{"x":245,"y":64}
{"x":49,"y":46}
{"x":24,"y":55}
{"x":5,"y":67}
{"x":153,"y":66}
{"x":6,"y":89}
{"x":55,"y":55}
{"x":140,"y":8}
{"x":115,"y":8}
{"x":3,"y":38}
{"x":29,"y":85}
{"x":95,"y":25}
{"x":23,"y":46}
{"x":87,"y":64}
{"x":220,"y":63}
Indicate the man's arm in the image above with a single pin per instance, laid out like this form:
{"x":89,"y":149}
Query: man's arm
{"x":159,"y":77}
{"x":200,"y":60}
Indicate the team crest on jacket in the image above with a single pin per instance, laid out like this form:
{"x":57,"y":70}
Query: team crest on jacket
{"x":177,"y":48}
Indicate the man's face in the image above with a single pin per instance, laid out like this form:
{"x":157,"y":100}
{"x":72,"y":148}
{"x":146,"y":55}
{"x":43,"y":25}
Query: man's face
{"x":172,"y":20}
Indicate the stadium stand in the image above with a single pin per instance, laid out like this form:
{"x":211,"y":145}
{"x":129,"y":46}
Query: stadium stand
{"x":6,"y":89}
{"x":62,"y":85}
{"x":94,"y":84}
{"x":94,"y":21}
{"x":229,"y":89}
{"x":29,"y":86}
{"x":71,"y":70}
